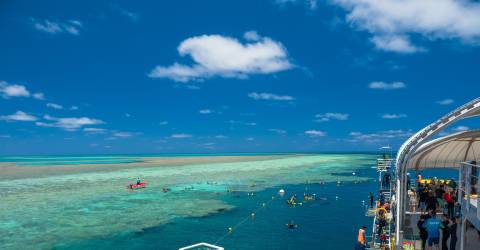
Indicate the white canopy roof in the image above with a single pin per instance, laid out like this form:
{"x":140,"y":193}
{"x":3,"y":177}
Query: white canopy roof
{"x":448,"y":151}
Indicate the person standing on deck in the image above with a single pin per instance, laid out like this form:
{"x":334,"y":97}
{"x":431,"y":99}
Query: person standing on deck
{"x":452,"y":227}
{"x":450,"y":200}
{"x":361,"y":239}
{"x":433,"y":226}
{"x":445,"y":232}
{"x":423,"y":232}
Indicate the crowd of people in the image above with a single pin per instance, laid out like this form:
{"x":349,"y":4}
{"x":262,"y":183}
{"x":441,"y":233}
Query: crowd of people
{"x":432,"y":197}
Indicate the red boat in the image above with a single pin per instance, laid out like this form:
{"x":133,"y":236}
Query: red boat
{"x":137,"y":186}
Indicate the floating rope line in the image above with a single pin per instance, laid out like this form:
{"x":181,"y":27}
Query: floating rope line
{"x":251,"y":216}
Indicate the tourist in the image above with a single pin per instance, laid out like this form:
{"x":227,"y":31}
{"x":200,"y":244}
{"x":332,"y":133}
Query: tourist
{"x":412,"y":199}
{"x":452,"y":227}
{"x":432,"y":202}
{"x":445,"y":232}
{"x":433,"y":226}
{"x":450,"y":200}
{"x":422,"y":231}
{"x":382,"y":199}
{"x":423,"y":199}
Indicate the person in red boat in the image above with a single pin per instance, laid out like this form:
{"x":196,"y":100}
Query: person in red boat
{"x":139,"y":181}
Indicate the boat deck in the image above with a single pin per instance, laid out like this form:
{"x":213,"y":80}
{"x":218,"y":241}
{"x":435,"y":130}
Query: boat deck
{"x":411,"y":233}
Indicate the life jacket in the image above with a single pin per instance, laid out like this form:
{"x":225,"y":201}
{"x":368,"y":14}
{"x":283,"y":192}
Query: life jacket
{"x":361,"y":236}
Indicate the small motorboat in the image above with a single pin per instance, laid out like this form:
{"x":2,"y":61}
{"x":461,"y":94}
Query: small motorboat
{"x":137,"y":186}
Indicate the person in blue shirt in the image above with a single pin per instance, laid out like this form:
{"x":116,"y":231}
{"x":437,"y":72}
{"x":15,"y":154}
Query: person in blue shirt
{"x":433,"y":226}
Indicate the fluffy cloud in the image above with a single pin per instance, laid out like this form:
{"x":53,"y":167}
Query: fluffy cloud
{"x":393,"y":23}
{"x":19,"y":116}
{"x":39,"y":96}
{"x":72,"y":27}
{"x":445,"y":102}
{"x":387,"y":86}
{"x":216,"y":55}
{"x":205,"y":111}
{"x":54,"y":105}
{"x":270,"y":96}
{"x":331,"y":116}
{"x":180,"y":136}
{"x":393,"y":116}
{"x":13,"y":90}
{"x":315,"y":133}
{"x":8,"y":90}
{"x":68,"y":123}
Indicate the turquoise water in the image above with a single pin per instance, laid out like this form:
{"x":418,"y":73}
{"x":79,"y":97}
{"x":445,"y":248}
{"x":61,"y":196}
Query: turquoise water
{"x":94,"y":210}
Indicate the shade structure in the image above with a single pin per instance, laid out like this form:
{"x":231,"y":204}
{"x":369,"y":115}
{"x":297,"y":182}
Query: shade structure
{"x":448,"y":151}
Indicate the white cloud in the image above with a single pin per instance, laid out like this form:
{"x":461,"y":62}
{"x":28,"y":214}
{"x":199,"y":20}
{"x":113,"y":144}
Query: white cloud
{"x":68,"y":123}
{"x":395,"y":43}
{"x":221,"y":137}
{"x":71,"y":27}
{"x":5,"y":136}
{"x":278,"y":131}
{"x":73,"y":108}
{"x":95,"y":130}
{"x":387,"y":86}
{"x":393,"y":23}
{"x":315,"y":133}
{"x":445,"y":102}
{"x":251,"y":35}
{"x":13,"y":90}
{"x":54,"y":105}
{"x":128,"y":115}
{"x":249,"y":139}
{"x":181,"y":136}
{"x":216,"y":55}
{"x":381,"y":136}
{"x":163,"y":123}
{"x":331,"y":116}
{"x":123,"y":134}
{"x":8,"y":90}
{"x":270,"y":96}
{"x":251,"y":123}
{"x":19,"y":116}
{"x":205,"y":111}
{"x":393,"y":116}
{"x":39,"y":96}
{"x":461,"y":128}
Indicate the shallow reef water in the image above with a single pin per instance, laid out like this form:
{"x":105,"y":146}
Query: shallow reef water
{"x":94,"y":210}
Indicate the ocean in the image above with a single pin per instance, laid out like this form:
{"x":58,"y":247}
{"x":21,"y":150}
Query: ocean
{"x":94,"y":210}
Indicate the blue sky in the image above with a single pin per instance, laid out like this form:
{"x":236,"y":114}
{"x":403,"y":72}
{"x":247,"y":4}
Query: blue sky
{"x":109,"y":77}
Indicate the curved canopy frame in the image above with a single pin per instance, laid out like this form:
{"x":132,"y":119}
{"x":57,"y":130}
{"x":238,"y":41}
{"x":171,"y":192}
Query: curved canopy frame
{"x":448,"y":151}
{"x":406,"y":151}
